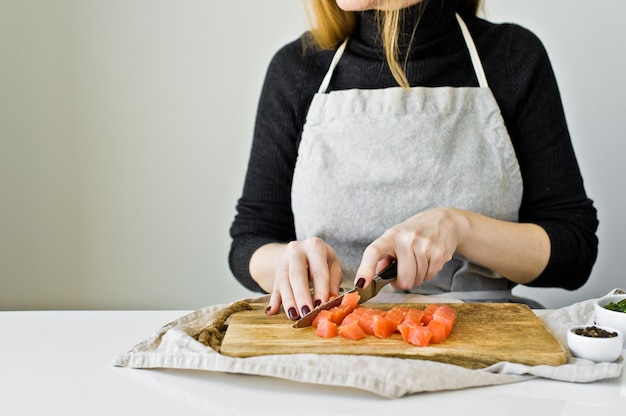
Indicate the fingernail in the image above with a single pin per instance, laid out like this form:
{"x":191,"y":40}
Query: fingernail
{"x":317,"y":303}
{"x":268,"y":309}
{"x":292,"y":313}
{"x":360,"y":283}
{"x":305,"y":309}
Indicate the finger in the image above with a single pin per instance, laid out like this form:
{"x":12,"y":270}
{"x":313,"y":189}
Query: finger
{"x":281,"y":291}
{"x":422,"y":261}
{"x":336,"y":277}
{"x":383,"y":264}
{"x":437,"y":261}
{"x":322,"y":267}
{"x":378,"y":250}
{"x":273,"y":306}
{"x":289,"y":304}
{"x":407,"y":266}
{"x":296,"y":287}
{"x":319,"y":275}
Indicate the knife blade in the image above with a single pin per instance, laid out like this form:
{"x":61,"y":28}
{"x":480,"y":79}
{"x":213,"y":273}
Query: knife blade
{"x":379,"y":281}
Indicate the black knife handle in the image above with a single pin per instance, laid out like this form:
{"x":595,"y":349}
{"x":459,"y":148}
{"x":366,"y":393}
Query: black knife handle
{"x":390,"y":271}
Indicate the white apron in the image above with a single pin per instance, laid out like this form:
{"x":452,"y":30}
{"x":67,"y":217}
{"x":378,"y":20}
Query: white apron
{"x":370,"y":159}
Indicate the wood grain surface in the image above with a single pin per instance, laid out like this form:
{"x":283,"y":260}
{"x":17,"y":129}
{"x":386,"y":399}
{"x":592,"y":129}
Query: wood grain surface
{"x":484,"y":333}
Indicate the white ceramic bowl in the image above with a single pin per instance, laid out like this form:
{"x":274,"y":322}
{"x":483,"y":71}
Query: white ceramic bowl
{"x":595,"y":349}
{"x":613,"y":319}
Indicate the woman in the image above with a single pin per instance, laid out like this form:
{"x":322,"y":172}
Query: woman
{"x":411,"y":130}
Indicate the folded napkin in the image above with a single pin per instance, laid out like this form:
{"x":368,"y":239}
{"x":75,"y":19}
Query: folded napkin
{"x":173,"y":346}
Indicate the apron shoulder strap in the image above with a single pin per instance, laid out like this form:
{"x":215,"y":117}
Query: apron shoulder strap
{"x":331,"y":69}
{"x":476,"y":63}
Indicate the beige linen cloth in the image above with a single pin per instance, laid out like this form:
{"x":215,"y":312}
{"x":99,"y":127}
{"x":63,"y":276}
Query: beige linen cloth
{"x":173,"y":347}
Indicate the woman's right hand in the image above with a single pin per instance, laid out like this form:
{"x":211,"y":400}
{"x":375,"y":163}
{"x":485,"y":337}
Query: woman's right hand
{"x":305,"y":262}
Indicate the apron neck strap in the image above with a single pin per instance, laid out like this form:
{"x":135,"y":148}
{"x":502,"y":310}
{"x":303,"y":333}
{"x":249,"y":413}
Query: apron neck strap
{"x":469,"y":42}
{"x":333,"y":65}
{"x":476,"y":63}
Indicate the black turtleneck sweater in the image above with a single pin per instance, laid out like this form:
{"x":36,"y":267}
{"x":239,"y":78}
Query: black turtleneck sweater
{"x":519,"y":74}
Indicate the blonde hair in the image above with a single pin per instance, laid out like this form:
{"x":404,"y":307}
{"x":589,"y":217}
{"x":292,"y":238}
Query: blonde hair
{"x":332,"y":25}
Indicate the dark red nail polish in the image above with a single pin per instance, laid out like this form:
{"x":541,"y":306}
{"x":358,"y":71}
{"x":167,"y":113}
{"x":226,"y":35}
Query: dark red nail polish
{"x":268,"y":309}
{"x":317,"y":303}
{"x":305,"y":309}
{"x":360,"y":283}
{"x":293,"y":314}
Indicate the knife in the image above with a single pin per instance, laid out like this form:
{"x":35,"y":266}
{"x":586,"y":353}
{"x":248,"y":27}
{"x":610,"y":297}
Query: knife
{"x":379,"y":281}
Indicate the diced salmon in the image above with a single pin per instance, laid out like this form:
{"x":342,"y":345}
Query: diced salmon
{"x":383,"y":328}
{"x":338,"y":314}
{"x":438,"y":331}
{"x":415,"y":334}
{"x":447,"y":316}
{"x":360,"y":311}
{"x":395,"y":315}
{"x":404,"y":330}
{"x":366,"y":322}
{"x":430,"y":309}
{"x":353,"y":316}
{"x":320,"y":316}
{"x":402,"y":309}
{"x":366,"y":319}
{"x":413,"y":316}
{"x":352,"y":331}
{"x":447,"y":309}
{"x":348,"y":304}
{"x":416,"y":326}
{"x":351,"y":299}
{"x":428,"y":313}
{"x":326,"y":329}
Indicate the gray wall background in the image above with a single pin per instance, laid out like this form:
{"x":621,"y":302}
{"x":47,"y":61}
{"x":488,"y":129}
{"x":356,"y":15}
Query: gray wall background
{"x":125,"y":127}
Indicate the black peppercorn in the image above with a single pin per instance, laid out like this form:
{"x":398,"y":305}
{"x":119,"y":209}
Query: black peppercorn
{"x":594,"y":332}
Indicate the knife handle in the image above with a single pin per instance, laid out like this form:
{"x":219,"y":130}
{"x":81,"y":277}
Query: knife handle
{"x":389,"y":272}
{"x":383,"y":278}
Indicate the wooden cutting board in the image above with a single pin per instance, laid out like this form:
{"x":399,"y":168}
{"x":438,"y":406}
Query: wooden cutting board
{"x":484,"y":333}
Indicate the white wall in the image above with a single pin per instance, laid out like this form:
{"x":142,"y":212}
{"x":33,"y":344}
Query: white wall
{"x":125,"y":127}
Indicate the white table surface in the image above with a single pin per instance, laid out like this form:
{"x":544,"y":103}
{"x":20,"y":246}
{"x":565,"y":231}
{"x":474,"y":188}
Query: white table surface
{"x":59,"y":362}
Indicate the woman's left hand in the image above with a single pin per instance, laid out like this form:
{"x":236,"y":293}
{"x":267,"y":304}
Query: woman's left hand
{"x":422,"y":245}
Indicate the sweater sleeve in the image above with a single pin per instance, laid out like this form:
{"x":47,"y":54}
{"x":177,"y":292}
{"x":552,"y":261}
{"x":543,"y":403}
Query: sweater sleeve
{"x":264,"y":210}
{"x":554,"y":195}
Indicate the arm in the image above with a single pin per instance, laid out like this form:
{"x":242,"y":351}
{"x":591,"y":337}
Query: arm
{"x":263,"y":231}
{"x":264,"y":262}
{"x":554,"y":245}
{"x":264,"y":210}
{"x":425,"y":242}
{"x":554,"y":194}
{"x":519,"y":252}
